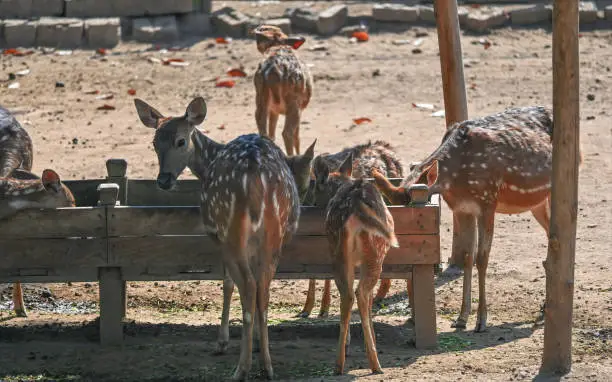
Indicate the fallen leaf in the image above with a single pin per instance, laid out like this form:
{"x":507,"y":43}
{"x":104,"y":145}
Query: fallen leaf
{"x":427,"y":106}
{"x":359,"y":121}
{"x":23,"y":72}
{"x":236,"y":73}
{"x":14,"y":85}
{"x":400,"y":42}
{"x":106,"y":107}
{"x":439,"y":113}
{"x":154,"y":60}
{"x":101,"y":51}
{"x":17,"y":52}
{"x":361,"y":36}
{"x":418,"y":42}
{"x":222,"y":127}
{"x":167,"y":61}
{"x":92,"y":92}
{"x":226,"y":84}
{"x":178,"y":63}
{"x":223,"y":40}
{"x":63,"y":52}
{"x":131,"y":92}
{"x":105,"y":96}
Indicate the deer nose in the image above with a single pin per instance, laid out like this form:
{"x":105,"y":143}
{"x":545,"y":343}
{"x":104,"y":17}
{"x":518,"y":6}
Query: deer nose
{"x":165,"y":181}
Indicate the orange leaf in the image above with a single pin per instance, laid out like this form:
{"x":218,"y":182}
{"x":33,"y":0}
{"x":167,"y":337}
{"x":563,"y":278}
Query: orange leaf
{"x":16,"y":52}
{"x":92,"y":92}
{"x":221,"y":40}
{"x":222,"y":127}
{"x":361,"y":36}
{"x":106,"y":107}
{"x":101,"y":51}
{"x":226,"y":84}
{"x":487,"y":44}
{"x":361,"y":120}
{"x":131,"y":92}
{"x":236,"y":73}
{"x":167,"y":61}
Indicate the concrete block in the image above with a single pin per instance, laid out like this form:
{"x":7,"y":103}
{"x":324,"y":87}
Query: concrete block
{"x":480,"y":22}
{"x":395,"y":13}
{"x":139,"y":8}
{"x":1,"y":33}
{"x":608,"y":13}
{"x":332,"y":19}
{"x":531,"y":15}
{"x":18,"y":9}
{"x":302,"y":19}
{"x":102,"y":32}
{"x":19,"y":33}
{"x":587,"y":12}
{"x":202,"y":6}
{"x":47,"y":8}
{"x":90,"y":8}
{"x":155,"y":29}
{"x":284,"y":24}
{"x":229,"y":22}
{"x":194,"y":24}
{"x":427,"y":15}
{"x":463,"y":13}
{"x":126,"y":27}
{"x":59,"y":32}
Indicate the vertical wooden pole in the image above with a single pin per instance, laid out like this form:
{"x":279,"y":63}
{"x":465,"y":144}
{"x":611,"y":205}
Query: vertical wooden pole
{"x":116,"y":170}
{"x":453,"y":83}
{"x":559,"y":265}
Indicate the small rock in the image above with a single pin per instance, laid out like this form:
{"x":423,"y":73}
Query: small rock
{"x":590,"y":117}
{"x":591,"y":97}
{"x":376,"y":73}
{"x":229,"y":22}
{"x":46,"y":294}
{"x":417,"y":51}
{"x":75,"y":141}
{"x":59,"y":84}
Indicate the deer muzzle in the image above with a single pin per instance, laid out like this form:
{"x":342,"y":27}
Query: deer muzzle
{"x":166,"y":180}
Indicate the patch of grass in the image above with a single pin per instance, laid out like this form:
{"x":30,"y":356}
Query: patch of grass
{"x":39,"y":377}
{"x":453,"y":343}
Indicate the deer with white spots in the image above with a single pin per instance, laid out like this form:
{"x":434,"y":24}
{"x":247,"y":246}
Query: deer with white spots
{"x":283,"y":85}
{"x":378,"y":155}
{"x":360,"y":231}
{"x":250,"y":204}
{"x":501,"y":163}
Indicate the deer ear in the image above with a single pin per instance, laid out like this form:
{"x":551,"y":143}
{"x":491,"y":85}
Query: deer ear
{"x":198,"y":144}
{"x":346,"y":168}
{"x":433,"y":173}
{"x":295,"y":42}
{"x":196,"y":111}
{"x":321,"y":171}
{"x":147,"y":113}
{"x":51,"y":180}
{"x":309,"y":154}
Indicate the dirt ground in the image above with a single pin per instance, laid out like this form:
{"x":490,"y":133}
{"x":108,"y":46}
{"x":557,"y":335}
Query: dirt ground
{"x":172,"y":326}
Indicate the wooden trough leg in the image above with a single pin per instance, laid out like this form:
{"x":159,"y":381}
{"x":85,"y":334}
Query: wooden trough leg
{"x":424,"y":306}
{"x":111,"y":306}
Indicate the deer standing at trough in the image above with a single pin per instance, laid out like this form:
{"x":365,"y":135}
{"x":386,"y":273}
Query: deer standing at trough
{"x":360,"y":231}
{"x":378,"y":155}
{"x":283,"y":85}
{"x":501,"y":163}
{"x":179,"y":144}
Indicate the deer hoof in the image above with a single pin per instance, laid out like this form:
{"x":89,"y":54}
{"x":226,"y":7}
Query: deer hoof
{"x":21,"y":313}
{"x":303,"y":314}
{"x":221,"y":348}
{"x":324,"y":314}
{"x":239,"y":374}
{"x":270,"y":373}
{"x":480,"y":327}
{"x":339,"y":370}
{"x":460,"y":323}
{"x":377,"y":371}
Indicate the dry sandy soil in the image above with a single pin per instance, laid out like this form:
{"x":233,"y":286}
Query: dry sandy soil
{"x":173,"y":325}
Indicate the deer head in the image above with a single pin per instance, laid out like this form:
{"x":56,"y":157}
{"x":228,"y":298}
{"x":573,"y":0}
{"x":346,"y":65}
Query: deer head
{"x":268,"y":36}
{"x":172,"y":140}
{"x":327,"y":182}
{"x":420,"y":173}
{"x":301,"y":167}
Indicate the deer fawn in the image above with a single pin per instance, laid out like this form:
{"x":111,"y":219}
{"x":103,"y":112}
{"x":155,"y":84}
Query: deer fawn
{"x":378,"y":155}
{"x":283,"y":85}
{"x":20,"y":194}
{"x":500,"y":163}
{"x":360,"y":231}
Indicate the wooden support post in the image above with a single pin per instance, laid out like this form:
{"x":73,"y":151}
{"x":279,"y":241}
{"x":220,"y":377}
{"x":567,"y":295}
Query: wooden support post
{"x":559,"y":265}
{"x":424,"y":306}
{"x":116,"y":173}
{"x":111,"y":310}
{"x":453,"y":83}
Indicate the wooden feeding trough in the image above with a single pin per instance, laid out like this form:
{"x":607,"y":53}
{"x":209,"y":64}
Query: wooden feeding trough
{"x":152,"y":234}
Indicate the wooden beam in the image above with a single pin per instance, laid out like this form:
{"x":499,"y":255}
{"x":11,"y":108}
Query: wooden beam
{"x":453,"y":82}
{"x":559,"y":265}
{"x":424,"y":307}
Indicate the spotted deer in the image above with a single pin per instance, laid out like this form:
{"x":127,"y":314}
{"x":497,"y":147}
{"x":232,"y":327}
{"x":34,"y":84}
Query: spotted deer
{"x":283,"y":85}
{"x":500,"y":163}
{"x":179,"y":144}
{"x":15,"y":153}
{"x":360,"y":231}
{"x":251,"y":205}
{"x":378,"y":155}
{"x":34,"y":192}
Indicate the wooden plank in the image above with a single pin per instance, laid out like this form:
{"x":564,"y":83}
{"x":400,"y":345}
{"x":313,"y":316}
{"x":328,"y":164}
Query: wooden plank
{"x":53,"y":253}
{"x":85,"y":192}
{"x":185,"y":220}
{"x":559,"y":264}
{"x":424,"y":306}
{"x":111,"y":310}
{"x":198,"y":251}
{"x":144,"y":192}
{"x":54,"y":223}
{"x":49,"y":275}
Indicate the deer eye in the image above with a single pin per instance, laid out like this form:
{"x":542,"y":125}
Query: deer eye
{"x":180,"y":143}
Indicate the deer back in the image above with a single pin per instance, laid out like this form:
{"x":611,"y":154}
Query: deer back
{"x":15,"y":145}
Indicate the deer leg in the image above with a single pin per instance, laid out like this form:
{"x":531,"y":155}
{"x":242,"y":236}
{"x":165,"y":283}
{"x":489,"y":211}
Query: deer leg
{"x":467,"y":238}
{"x":262,"y":98}
{"x":263,"y":298}
{"x":486,"y":224}
{"x":272,"y":122}
{"x":310,"y":298}
{"x":344,"y":278}
{"x":292,"y":123}
{"x":370,"y":274}
{"x":296,"y":133}
{"x":18,"y":303}
{"x":455,"y":262}
{"x":228,"y":290}
{"x":325,"y":300}
{"x":383,"y":289}
{"x":542,"y":215}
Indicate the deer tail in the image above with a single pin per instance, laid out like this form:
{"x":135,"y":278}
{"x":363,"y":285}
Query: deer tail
{"x":396,"y":195}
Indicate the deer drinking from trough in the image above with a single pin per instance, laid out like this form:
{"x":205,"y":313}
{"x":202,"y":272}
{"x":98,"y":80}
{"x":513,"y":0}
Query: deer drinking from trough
{"x":360,"y":231}
{"x":179,"y":144}
{"x":501,"y":163}
{"x":378,"y":155}
{"x":283,"y":85}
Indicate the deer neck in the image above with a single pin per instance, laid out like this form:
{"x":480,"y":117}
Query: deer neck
{"x":20,"y":195}
{"x":199,"y":161}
